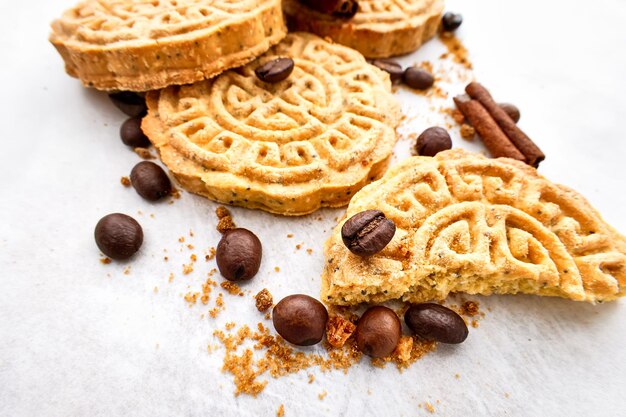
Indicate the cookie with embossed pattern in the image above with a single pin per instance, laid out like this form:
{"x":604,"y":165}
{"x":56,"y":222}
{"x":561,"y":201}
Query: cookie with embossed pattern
{"x":311,"y":140}
{"x":469,"y":224}
{"x":379,"y":29}
{"x":141,"y":45}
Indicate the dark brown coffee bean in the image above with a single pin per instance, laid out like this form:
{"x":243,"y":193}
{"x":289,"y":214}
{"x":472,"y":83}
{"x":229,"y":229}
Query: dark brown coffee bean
{"x":130,"y":103}
{"x":378,"y":332}
{"x":392,"y":67}
{"x":275,"y":70}
{"x":132,"y":135}
{"x":347,"y":9}
{"x":239,"y":254}
{"x":150,"y":181}
{"x":367,"y":232}
{"x":451,"y":21}
{"x":436,"y":322}
{"x":118,"y":236}
{"x":418,"y":78}
{"x":432,"y":141}
{"x":511,"y":110}
{"x":300,"y":319}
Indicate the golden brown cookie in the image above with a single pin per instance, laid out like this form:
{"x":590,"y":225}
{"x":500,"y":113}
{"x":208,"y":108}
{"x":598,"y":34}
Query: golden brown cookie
{"x":380,"y":29}
{"x":309,"y":141}
{"x":141,"y":45}
{"x":470,"y":224}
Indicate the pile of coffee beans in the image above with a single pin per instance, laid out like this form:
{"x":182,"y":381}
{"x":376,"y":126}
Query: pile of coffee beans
{"x":414,"y":77}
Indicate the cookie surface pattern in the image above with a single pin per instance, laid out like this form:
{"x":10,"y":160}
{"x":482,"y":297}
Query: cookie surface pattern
{"x":470,"y":224}
{"x":292,"y":147}
{"x":380,"y":28}
{"x":141,"y":45}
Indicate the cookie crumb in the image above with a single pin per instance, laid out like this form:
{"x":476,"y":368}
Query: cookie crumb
{"x":225,"y":221}
{"x":211,"y":254}
{"x":309,"y":251}
{"x":281,"y":411}
{"x":144,"y":153}
{"x":470,"y":308}
{"x":187,"y":269}
{"x":127,"y":270}
{"x":311,"y":378}
{"x":125,"y":181}
{"x":277,"y":269}
{"x":106,"y":260}
{"x":231,"y":287}
{"x":289,"y":235}
{"x":338,"y":331}
{"x":322,"y":395}
{"x":264,"y":300}
{"x":467,"y":131}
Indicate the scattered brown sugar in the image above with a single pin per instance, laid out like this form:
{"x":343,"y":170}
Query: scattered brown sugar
{"x":264,"y":300}
{"x":219,"y":306}
{"x":225,"y":221}
{"x":470,"y":308}
{"x":144,"y":153}
{"x":191,"y":298}
{"x":338,"y":331}
{"x":204,"y":294}
{"x":187,"y":269}
{"x":230,"y":325}
{"x":231,"y":287}
{"x":211,"y":254}
{"x":322,"y":395}
{"x":125,"y":181}
{"x":402,"y":359}
{"x":281,"y":411}
{"x":456,"y":49}
{"x":105,"y":260}
{"x":467,"y":131}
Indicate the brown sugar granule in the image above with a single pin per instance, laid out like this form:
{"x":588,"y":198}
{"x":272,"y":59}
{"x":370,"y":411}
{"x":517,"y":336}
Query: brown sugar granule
{"x":181,"y":239}
{"x":190,"y":246}
{"x":193,"y":257}
{"x":467,"y":131}
{"x":191,"y":298}
{"x":470,"y":308}
{"x":165,"y":258}
{"x":219,"y":306}
{"x":170,"y":278}
{"x":267,"y":316}
{"x":127,"y":270}
{"x":419,"y":348}
{"x":457,"y":376}
{"x":211,"y":254}
{"x":230,"y":325}
{"x":277,"y":269}
{"x":190,"y":233}
{"x":338,"y":331}
{"x":290,"y":235}
{"x":298,"y":246}
{"x":105,"y":260}
{"x":475,"y":324}
{"x":144,"y":153}
{"x":429,"y":407}
{"x":309,"y":251}
{"x":187,"y":269}
{"x":281,"y":411}
{"x":231,"y":287}
{"x":175,"y":193}
{"x":225,"y":221}
{"x":125,"y":181}
{"x":156,"y":290}
{"x":404,"y":348}
{"x":322,"y":395}
{"x":264,"y":300}
{"x":311,"y":378}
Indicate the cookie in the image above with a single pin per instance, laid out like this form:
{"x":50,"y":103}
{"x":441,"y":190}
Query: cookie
{"x":140,"y":45}
{"x":380,"y":28}
{"x":309,"y":141}
{"x":474,"y":225}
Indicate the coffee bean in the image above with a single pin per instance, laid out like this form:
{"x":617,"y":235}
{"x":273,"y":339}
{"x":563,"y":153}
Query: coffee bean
{"x":378,"y":332}
{"x":300,"y":319}
{"x":367,"y":232}
{"x":132,"y":135}
{"x":436,"y":322}
{"x":511,"y":110}
{"x":130,"y":103}
{"x":118,"y":236}
{"x":432,"y":141}
{"x":418,"y":78}
{"x":150,"y":181}
{"x":275,"y":70}
{"x":451,"y":21}
{"x":239,"y":254}
{"x":392,"y":67}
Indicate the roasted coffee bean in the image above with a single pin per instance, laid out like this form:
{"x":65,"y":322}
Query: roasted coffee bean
{"x":239,"y":254}
{"x":378,"y":332}
{"x":436,"y":322}
{"x":118,"y":236}
{"x":367,"y":232}
{"x":451,"y":21}
{"x":432,"y":141}
{"x":275,"y":70}
{"x":130,"y":103}
{"x":392,"y":67}
{"x":132,"y":135}
{"x":300,"y":319}
{"x":150,"y":181}
{"x":418,"y":78}
{"x":511,"y":110}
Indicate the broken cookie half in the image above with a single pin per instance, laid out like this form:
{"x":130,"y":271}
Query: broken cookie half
{"x":469,"y":224}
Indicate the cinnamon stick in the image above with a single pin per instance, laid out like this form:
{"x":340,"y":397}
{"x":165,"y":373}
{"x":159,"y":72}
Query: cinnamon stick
{"x":522,"y":142}
{"x":340,"y":8}
{"x":494,"y":139}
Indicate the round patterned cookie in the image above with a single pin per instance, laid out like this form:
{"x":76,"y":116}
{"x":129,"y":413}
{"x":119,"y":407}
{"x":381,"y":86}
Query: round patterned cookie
{"x":380,"y":28}
{"x":141,"y":45}
{"x":470,"y":224}
{"x":309,"y":141}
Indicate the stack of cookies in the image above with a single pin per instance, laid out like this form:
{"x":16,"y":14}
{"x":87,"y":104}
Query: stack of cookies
{"x":246,"y":114}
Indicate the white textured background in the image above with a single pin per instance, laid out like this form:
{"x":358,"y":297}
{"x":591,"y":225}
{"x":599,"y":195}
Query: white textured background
{"x":75,"y":341}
